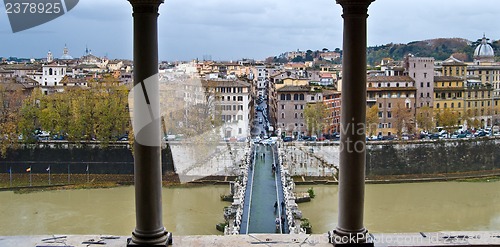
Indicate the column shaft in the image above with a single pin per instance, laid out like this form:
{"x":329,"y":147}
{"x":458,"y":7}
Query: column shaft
{"x":149,"y":229}
{"x":353,"y":119}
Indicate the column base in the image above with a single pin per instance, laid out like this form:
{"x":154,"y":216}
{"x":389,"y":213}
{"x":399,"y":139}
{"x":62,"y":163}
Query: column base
{"x":345,"y":239}
{"x":167,"y":242}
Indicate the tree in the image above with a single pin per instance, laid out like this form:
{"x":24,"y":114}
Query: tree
{"x":315,"y":116}
{"x":99,"y":112}
{"x":298,"y":59}
{"x":309,"y":55}
{"x":424,"y":117}
{"x":11,"y":101}
{"x":372,"y":120}
{"x":470,"y":119}
{"x":447,"y":118}
{"x":30,"y":112}
{"x":403,"y":118}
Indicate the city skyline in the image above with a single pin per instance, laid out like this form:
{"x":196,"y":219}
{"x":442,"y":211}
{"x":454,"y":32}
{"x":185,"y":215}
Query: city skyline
{"x":226,"y":30}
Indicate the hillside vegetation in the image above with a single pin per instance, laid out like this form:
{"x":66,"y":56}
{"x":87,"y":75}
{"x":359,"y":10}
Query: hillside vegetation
{"x":440,"y":49}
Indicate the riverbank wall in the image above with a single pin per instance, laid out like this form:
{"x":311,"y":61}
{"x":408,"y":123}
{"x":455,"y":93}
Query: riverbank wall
{"x":75,"y":158}
{"x":432,"y":157}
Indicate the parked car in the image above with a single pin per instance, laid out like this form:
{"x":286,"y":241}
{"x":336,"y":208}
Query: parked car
{"x":287,"y":139}
{"x":434,"y":136}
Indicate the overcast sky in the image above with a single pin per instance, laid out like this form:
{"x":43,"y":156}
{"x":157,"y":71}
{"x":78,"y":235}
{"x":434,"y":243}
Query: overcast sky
{"x":231,"y":30}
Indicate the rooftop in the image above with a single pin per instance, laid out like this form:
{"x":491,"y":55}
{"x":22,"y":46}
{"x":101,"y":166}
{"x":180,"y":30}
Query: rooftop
{"x":389,"y":79}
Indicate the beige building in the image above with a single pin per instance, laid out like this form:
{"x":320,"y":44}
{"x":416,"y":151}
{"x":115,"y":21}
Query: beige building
{"x":292,"y":101}
{"x":393,"y":95}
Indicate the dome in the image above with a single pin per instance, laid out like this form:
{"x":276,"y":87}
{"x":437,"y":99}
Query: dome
{"x":66,"y":55}
{"x":484,"y":50}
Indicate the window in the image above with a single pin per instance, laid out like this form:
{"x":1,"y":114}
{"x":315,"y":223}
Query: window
{"x":302,"y":107}
{"x":301,"y":96}
{"x":421,"y":84}
{"x":452,"y":105}
{"x":428,"y":84}
{"x":296,"y":107}
{"x":428,"y":95}
{"x":240,"y":98}
{"x":437,"y":105}
{"x":445,"y":105}
{"x":389,"y":105}
{"x":282,"y":97}
{"x":425,"y":75}
{"x":240,"y":131}
{"x":295,"y":115}
{"x":240,"y":107}
{"x":282,"y":107}
{"x":312,"y":97}
{"x":389,"y":114}
{"x":288,"y":96}
{"x":380,"y":114}
{"x":380,"y":105}
{"x":282,"y":115}
{"x":301,"y":115}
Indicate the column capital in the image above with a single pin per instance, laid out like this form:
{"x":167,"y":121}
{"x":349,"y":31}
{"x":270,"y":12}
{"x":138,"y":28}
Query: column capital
{"x":355,"y":7}
{"x":145,"y":6}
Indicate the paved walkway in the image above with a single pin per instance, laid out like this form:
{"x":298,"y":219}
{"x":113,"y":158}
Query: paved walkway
{"x":263,"y":191}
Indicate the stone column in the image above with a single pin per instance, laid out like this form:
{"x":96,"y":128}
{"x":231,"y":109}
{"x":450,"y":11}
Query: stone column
{"x":149,"y":230}
{"x":350,"y":229}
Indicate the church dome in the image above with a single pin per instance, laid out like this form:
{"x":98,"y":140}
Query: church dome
{"x":484,"y":50}
{"x":66,"y":55}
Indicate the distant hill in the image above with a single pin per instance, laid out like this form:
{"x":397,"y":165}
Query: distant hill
{"x":440,"y":49}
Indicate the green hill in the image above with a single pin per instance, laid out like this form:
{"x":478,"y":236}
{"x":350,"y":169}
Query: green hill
{"x":440,"y":49}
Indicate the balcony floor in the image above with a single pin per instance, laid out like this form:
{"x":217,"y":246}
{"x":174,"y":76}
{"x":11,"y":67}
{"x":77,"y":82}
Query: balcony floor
{"x":318,"y":240}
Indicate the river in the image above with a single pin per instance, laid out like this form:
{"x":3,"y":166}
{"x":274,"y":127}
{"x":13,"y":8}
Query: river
{"x":195,"y":210}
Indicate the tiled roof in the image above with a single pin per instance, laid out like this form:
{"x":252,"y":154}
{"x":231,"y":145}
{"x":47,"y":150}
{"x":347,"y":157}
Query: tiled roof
{"x":224,"y":83}
{"x":290,"y":88}
{"x":447,"y":78}
{"x":389,"y":79}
